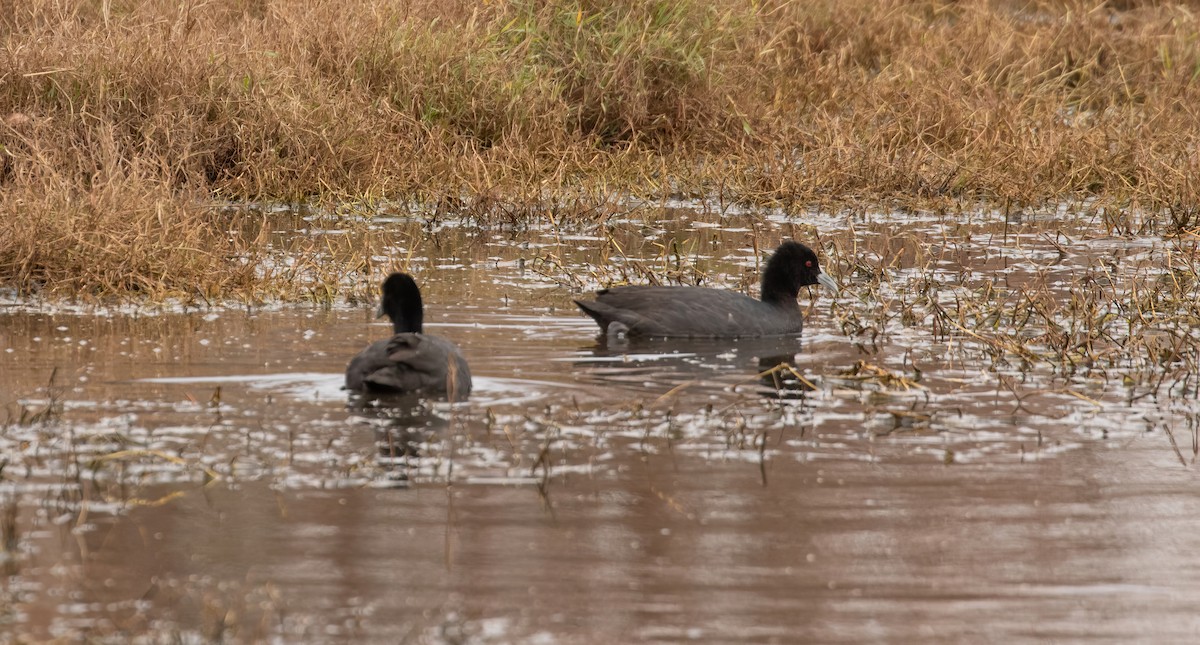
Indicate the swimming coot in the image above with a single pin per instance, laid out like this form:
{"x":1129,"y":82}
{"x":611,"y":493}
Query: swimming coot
{"x":697,"y":312}
{"x":409,"y":361}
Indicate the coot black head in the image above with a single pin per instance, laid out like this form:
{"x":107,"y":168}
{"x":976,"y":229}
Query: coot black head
{"x":401,"y":302}
{"x":792,"y":266}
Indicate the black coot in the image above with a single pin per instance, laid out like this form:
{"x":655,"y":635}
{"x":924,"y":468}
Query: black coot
{"x":697,"y":312}
{"x":409,"y":362}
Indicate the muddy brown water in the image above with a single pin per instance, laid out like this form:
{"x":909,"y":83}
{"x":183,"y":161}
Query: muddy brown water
{"x":204,"y":476}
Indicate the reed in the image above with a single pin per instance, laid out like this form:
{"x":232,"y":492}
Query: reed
{"x":155,"y":110}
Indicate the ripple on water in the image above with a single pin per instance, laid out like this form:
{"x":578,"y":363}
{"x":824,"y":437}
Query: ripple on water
{"x":916,"y":475}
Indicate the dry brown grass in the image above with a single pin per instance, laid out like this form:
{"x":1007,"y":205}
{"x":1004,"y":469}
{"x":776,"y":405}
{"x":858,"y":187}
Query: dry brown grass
{"x":123,"y":118}
{"x":122,"y":237}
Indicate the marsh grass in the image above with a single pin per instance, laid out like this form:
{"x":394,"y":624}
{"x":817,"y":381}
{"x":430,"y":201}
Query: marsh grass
{"x":49,"y":413}
{"x":1124,"y":322}
{"x":122,"y":120}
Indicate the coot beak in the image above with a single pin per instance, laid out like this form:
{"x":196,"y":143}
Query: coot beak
{"x":827,"y":282}
{"x":380,"y":313}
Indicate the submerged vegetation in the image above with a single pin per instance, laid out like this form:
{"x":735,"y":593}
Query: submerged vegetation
{"x":123,"y":121}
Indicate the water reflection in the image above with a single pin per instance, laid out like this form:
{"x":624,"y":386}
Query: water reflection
{"x":401,"y":423}
{"x":665,"y":365}
{"x":642,"y":491}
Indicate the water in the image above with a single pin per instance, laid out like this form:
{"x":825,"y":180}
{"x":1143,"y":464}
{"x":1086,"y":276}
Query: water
{"x":203,"y":476}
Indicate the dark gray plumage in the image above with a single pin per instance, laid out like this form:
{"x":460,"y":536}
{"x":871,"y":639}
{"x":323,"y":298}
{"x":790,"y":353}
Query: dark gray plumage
{"x":697,"y":312}
{"x":410,"y":362}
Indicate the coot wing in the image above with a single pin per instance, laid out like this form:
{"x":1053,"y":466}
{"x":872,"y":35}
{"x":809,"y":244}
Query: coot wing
{"x":411,"y":363}
{"x":690,"y":312}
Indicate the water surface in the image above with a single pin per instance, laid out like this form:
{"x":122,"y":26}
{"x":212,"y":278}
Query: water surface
{"x":202,"y":475}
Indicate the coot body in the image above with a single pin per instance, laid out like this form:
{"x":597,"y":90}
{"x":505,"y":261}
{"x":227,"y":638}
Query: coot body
{"x":410,"y":362}
{"x":697,"y":312}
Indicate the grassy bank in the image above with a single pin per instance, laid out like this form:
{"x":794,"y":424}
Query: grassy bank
{"x":122,"y":118}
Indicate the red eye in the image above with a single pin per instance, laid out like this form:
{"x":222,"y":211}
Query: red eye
{"x":808,"y":263}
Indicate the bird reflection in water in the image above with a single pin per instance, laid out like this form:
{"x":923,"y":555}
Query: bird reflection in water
{"x":675,"y":364}
{"x":401,"y":422}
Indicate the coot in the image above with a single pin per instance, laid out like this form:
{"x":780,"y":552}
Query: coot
{"x":410,"y":362}
{"x":697,"y":312}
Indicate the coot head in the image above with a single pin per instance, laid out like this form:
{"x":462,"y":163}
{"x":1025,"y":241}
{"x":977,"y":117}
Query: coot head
{"x":793,"y":265}
{"x":401,"y":302}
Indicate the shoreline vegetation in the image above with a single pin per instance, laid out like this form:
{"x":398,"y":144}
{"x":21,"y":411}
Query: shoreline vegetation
{"x":126,"y":126}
